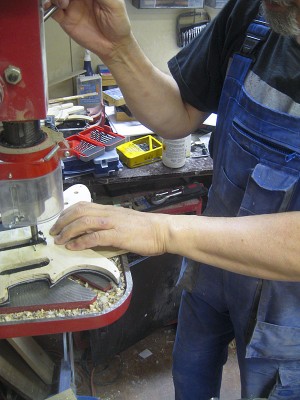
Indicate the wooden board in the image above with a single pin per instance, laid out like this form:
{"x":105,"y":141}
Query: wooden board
{"x":15,"y":373}
{"x":113,"y":97}
{"x":35,"y":357}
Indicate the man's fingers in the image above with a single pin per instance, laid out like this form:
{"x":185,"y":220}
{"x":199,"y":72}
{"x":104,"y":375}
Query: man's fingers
{"x":72,"y":213}
{"x":81,"y":226}
{"x":60,"y":3}
{"x":90,"y":240}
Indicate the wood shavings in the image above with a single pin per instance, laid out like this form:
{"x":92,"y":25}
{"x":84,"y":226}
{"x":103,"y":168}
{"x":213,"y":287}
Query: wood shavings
{"x":104,"y":302}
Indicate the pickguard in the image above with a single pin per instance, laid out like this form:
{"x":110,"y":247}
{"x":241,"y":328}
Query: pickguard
{"x":48,"y":261}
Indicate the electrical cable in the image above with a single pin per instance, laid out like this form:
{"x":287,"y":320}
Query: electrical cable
{"x":97,"y":381}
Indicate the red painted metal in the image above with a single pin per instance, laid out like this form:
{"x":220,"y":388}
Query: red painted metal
{"x":21,"y":44}
{"x":70,"y":324}
{"x":27,"y":165}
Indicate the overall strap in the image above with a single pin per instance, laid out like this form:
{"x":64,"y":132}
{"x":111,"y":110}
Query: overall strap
{"x":257,"y":33}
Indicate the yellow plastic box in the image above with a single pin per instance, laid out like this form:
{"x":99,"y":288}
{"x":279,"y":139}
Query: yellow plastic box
{"x":141,"y":151}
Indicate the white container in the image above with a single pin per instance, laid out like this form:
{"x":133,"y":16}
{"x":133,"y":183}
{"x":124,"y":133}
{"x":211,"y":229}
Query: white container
{"x":174,"y":152}
{"x":188,"y":142}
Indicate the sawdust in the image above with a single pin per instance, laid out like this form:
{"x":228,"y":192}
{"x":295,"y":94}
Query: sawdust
{"x":104,"y":302}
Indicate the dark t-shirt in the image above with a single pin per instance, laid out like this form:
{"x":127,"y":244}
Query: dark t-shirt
{"x":200,"y":68}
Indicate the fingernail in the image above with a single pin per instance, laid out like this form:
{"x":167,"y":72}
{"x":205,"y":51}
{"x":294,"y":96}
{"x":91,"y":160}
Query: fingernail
{"x":57,"y":240}
{"x":70,"y":246}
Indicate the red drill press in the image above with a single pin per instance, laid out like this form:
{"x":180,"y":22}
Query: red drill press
{"x":30,"y":171}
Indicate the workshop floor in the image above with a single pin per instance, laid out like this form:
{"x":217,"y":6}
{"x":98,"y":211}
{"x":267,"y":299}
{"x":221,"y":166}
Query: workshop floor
{"x":143,"y":372}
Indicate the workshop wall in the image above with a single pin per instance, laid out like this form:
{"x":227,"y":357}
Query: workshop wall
{"x":154,"y":29}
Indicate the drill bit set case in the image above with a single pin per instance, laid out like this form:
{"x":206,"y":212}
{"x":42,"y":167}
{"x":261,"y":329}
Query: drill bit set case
{"x":142,"y":151}
{"x":94,"y":141}
{"x":96,"y":146}
{"x":104,"y":165}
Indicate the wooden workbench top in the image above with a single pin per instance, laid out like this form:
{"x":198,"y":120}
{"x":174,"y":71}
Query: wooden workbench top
{"x":157,"y":170}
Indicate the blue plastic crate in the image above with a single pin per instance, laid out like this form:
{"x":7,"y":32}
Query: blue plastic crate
{"x":88,"y":398}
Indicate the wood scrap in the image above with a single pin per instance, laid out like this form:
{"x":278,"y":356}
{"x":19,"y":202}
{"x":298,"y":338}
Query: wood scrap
{"x":35,"y":357}
{"x":68,"y":98}
{"x":15,"y":373}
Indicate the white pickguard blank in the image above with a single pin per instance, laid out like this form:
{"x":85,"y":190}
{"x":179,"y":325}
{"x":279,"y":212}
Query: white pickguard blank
{"x":60,"y":261}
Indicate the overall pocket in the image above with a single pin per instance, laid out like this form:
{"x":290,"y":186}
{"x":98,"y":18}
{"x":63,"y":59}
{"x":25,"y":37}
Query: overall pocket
{"x":230,"y":178}
{"x":249,"y":162}
{"x":288,"y":384}
{"x":269,"y":190}
{"x":276,"y":335}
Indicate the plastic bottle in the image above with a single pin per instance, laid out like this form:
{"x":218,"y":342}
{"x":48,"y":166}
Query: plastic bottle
{"x":174,"y":152}
{"x":87,"y":65}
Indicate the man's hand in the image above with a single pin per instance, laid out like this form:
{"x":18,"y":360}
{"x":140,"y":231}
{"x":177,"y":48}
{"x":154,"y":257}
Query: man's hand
{"x":86,"y":225}
{"x":101,"y":26}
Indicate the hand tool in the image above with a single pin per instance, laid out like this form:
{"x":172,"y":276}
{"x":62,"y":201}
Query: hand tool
{"x":163,"y":198}
{"x":191,"y":189}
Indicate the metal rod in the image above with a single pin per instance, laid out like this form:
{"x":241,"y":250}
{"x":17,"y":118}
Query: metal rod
{"x":71,"y":358}
{"x":49,"y":12}
{"x":34,"y":233}
{"x":51,"y":153}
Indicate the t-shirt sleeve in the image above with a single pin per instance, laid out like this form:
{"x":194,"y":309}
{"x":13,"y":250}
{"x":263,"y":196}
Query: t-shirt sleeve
{"x":200,"y":68}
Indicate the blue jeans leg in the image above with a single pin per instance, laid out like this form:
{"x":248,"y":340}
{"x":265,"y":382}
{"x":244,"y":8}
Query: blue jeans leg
{"x":200,"y":350}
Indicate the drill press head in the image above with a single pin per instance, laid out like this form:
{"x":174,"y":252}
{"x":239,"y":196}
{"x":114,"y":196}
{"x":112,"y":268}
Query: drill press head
{"x":30,"y":171}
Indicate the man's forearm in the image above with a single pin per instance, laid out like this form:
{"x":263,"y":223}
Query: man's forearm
{"x":265,"y":246}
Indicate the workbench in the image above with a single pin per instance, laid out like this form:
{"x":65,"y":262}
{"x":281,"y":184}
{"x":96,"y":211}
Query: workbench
{"x":147,"y":178}
{"x":193,"y":168}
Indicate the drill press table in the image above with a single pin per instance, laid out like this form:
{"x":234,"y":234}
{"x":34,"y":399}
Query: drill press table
{"x":30,"y":307}
{"x":43,"y":322}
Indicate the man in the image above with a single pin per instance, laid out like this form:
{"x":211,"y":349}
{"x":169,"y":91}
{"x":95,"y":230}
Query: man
{"x":250,"y":232}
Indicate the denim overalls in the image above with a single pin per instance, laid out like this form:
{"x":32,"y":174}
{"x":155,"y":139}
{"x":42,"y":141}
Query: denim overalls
{"x":256,"y":171}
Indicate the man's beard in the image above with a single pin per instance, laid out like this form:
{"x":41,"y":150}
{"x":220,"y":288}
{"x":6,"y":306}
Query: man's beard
{"x":283,"y":22}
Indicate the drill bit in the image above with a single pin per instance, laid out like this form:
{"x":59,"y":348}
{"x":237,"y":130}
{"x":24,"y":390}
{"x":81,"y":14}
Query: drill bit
{"x":49,"y":12}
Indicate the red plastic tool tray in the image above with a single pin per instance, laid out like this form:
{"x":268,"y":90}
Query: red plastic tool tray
{"x":84,"y":149}
{"x":104,"y":135}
